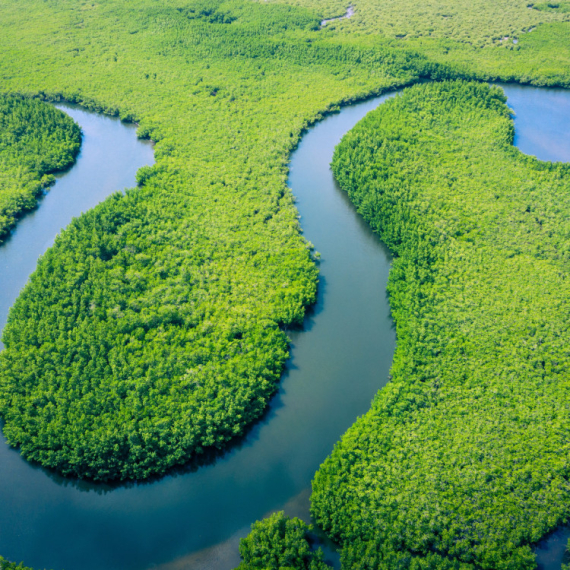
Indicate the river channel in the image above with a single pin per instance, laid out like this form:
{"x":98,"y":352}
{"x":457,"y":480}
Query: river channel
{"x":194,"y":519}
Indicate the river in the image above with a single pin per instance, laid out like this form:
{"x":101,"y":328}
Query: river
{"x":341,"y":358}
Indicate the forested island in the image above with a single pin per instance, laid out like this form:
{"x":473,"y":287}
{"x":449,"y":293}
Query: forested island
{"x":36,"y":141}
{"x":155,"y":328}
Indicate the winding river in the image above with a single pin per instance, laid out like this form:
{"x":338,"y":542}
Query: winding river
{"x":195,"y":519}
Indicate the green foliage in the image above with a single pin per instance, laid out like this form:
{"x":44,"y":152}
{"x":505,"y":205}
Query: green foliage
{"x":474,"y":22}
{"x":132,"y":373}
{"x":539,"y":57}
{"x":279,"y":542}
{"x":153,"y":328}
{"x":36,"y":140}
{"x":483,"y":39}
{"x":6,"y":565}
{"x":373,"y":554}
{"x":463,"y":457}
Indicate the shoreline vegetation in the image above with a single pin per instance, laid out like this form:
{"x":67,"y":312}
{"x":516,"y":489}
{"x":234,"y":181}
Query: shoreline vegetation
{"x":153,"y":328}
{"x":173,"y":340}
{"x":36,"y":141}
{"x":280,"y":542}
{"x":6,"y":565}
{"x":348,"y":14}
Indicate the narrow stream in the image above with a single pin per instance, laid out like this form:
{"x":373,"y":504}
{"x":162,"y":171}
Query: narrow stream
{"x":348,"y":14}
{"x":194,"y":519}
{"x":109,"y":158}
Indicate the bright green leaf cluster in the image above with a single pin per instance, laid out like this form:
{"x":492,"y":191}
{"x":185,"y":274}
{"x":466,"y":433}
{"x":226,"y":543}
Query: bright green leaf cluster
{"x":36,"y":140}
{"x":6,"y":565}
{"x":278,"y":543}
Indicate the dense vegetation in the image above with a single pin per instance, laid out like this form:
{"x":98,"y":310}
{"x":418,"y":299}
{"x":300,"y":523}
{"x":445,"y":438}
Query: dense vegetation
{"x":479,"y":22}
{"x":279,"y":542}
{"x":5,"y":565}
{"x":462,"y":460}
{"x":154,"y":327}
{"x":505,"y":39}
{"x":35,"y":140}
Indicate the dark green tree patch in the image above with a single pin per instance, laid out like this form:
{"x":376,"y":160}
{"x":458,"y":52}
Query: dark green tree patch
{"x":278,"y":543}
{"x":36,"y":140}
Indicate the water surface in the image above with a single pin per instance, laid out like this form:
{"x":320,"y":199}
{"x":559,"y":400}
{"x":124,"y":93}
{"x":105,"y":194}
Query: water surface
{"x":109,"y":158}
{"x":542,"y":121}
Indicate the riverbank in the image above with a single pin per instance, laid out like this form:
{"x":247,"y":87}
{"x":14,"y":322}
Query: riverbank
{"x":475,"y":227}
{"x":36,"y":141}
{"x":268,"y":471}
{"x":348,"y":334}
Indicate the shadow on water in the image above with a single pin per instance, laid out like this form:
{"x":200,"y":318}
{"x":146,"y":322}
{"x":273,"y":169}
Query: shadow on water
{"x":206,"y":459}
{"x":209,"y":456}
{"x":311,"y":314}
{"x":551,"y":552}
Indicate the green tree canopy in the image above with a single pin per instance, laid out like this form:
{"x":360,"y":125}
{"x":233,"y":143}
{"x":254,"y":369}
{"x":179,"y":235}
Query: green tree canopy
{"x":278,"y":543}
